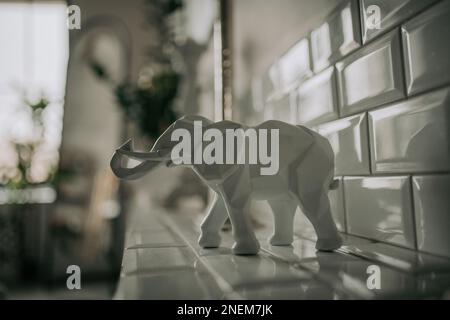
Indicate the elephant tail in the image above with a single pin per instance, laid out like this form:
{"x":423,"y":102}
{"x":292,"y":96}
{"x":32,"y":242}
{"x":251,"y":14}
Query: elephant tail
{"x":334,"y":184}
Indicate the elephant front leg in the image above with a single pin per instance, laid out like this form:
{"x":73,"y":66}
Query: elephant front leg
{"x":211,"y":225}
{"x":283,"y":209}
{"x":244,"y":236}
{"x":235,"y":192}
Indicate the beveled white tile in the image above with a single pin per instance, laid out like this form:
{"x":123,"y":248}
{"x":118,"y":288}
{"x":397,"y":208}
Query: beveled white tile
{"x":405,"y":136}
{"x":318,"y":100}
{"x":270,"y":82}
{"x":241,"y":271}
{"x":406,"y":260}
{"x":426,"y":48}
{"x":151,"y":237}
{"x":156,"y":245}
{"x":371,"y":76}
{"x":151,"y":260}
{"x":294,"y":66}
{"x":432,"y":213}
{"x":172,"y":284}
{"x":285,"y":108}
{"x":348,"y":138}
{"x":391,"y":13}
{"x":380,"y":208}
{"x":337,"y":36}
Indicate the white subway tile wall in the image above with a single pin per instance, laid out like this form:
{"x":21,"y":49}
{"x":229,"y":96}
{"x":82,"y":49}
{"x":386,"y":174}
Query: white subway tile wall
{"x":372,"y":76}
{"x":405,"y":136}
{"x":380,"y":208}
{"x":385,"y":108}
{"x":339,"y":35}
{"x":294,"y":66}
{"x":317,"y":98}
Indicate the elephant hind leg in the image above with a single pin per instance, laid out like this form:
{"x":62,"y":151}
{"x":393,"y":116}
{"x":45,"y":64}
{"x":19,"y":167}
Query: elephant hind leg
{"x":283,"y":208}
{"x":315,"y":174}
{"x":316,"y":207}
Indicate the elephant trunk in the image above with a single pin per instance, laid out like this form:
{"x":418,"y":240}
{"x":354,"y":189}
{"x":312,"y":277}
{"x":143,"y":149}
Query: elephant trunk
{"x":150,"y":160}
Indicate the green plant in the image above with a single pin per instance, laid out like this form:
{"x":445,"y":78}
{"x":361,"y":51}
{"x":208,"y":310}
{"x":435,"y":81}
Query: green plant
{"x":19,"y":178}
{"x":151,"y":107}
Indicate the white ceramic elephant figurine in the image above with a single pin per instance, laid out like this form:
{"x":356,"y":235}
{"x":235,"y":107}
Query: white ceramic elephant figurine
{"x":301,"y":173}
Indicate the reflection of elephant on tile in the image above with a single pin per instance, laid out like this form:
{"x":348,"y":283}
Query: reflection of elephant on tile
{"x":304,"y":176}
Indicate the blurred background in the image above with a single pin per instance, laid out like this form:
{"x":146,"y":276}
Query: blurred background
{"x":78,"y":78}
{"x":68,"y":97}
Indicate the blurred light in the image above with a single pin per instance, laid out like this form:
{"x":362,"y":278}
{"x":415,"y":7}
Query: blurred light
{"x":41,"y":194}
{"x":111,"y":209}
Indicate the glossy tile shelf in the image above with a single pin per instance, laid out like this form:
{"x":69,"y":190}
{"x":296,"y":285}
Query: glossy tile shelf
{"x":296,"y":272}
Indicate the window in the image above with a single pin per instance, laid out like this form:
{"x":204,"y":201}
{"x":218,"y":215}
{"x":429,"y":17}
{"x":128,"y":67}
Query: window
{"x":34,"y":52}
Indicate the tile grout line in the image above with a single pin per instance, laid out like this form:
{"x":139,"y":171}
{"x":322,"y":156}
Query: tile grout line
{"x":226,"y":288}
